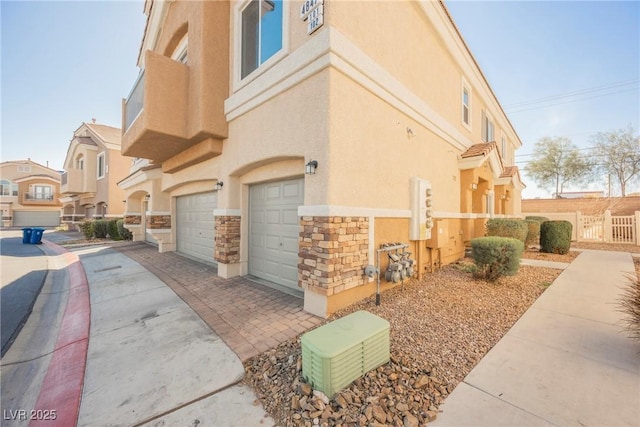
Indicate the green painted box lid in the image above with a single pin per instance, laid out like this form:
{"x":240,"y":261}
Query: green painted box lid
{"x":338,"y":336}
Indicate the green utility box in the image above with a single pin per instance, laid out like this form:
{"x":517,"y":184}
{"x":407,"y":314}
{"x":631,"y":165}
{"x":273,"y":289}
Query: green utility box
{"x":337,"y":353}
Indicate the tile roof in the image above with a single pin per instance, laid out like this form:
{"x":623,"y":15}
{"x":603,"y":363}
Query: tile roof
{"x":483,"y":149}
{"x":509,"y":171}
{"x":107,"y":133}
{"x":85,"y":140}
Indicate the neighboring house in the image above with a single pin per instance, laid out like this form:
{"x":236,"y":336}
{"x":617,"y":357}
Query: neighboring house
{"x":29,"y":194}
{"x":93,"y":166}
{"x":578,"y":195}
{"x":287,"y":141}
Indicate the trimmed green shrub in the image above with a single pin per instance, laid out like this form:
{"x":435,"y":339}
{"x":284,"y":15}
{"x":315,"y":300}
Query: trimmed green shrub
{"x":124,"y":232}
{"x":537,"y":218}
{"x":555,"y":237}
{"x":100,"y":228}
{"x":112,"y":228}
{"x":503,"y":227}
{"x":533,"y":234}
{"x":87,"y":229}
{"x":496,"y":256}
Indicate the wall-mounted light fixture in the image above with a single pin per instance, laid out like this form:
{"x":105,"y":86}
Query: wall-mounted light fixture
{"x":310,"y":168}
{"x":147,"y":196}
{"x":219,"y":185}
{"x":474,"y":186}
{"x":410,"y":132}
{"x":503,"y":197}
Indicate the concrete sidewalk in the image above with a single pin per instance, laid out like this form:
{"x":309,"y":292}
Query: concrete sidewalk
{"x":150,"y":359}
{"x":566,"y":361}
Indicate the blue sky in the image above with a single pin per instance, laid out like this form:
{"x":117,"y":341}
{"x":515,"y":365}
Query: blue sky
{"x":68,"y":62}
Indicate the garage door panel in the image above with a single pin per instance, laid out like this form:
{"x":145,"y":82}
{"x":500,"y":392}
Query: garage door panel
{"x":36,"y":218}
{"x":274,"y":222}
{"x":273,"y":217}
{"x":195,"y":233}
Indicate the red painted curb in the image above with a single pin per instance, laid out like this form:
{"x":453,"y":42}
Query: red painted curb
{"x":59,"y":399}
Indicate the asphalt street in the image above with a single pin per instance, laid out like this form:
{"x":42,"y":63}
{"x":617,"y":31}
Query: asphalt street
{"x":19,"y":290}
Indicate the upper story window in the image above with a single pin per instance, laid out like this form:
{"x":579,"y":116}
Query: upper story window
{"x":42,"y":192}
{"x":101,"y":166}
{"x":8,"y":189}
{"x":24,"y":168}
{"x":80,"y":162}
{"x":466,"y":105}
{"x":261,"y":33}
{"x":487,"y":127}
{"x":180,"y":54}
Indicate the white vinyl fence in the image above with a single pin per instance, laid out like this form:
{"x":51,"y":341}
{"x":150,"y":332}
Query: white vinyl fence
{"x":600,"y":228}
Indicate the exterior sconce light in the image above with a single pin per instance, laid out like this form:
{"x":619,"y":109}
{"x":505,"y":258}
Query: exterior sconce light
{"x":474,"y":186}
{"x":218,"y":185}
{"x":147,"y":197}
{"x":310,"y":168}
{"x":503,"y":197}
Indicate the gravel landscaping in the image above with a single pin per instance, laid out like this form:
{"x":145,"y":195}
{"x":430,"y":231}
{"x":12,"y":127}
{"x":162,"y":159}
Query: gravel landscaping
{"x":441,"y":326}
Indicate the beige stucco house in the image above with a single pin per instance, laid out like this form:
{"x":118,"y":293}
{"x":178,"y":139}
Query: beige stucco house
{"x":29,"y":194}
{"x":93,"y":166}
{"x":288,"y":141}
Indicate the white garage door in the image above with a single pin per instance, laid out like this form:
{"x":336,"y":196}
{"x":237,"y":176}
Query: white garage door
{"x":274,"y":229}
{"x":195,"y":225}
{"x":36,"y":218}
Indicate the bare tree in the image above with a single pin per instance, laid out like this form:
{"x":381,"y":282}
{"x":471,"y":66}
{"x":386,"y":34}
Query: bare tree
{"x":618,"y":153}
{"x":557,"y":162}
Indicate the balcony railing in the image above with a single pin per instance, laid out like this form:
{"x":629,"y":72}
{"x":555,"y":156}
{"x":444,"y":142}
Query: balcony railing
{"x":135,"y":102}
{"x":39,"y":198}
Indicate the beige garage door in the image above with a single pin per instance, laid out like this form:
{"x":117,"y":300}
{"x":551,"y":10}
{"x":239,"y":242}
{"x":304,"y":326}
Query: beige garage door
{"x":195,"y":233}
{"x":274,"y":229}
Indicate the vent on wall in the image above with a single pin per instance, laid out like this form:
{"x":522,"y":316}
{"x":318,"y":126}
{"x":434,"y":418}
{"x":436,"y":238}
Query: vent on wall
{"x":341,"y":351}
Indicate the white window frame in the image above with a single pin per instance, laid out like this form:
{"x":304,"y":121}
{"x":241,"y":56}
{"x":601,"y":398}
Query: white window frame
{"x":181,"y":52}
{"x":24,"y":168}
{"x":44,"y":190}
{"x":465,"y":87}
{"x":80,"y":162}
{"x":104,"y":165}
{"x":6,"y":184}
{"x":487,"y":123}
{"x":238,"y":81}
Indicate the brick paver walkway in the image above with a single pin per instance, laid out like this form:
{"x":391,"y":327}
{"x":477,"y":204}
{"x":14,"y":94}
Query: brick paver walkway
{"x":251,"y":318}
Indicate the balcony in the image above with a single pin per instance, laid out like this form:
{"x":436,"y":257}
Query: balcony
{"x":40,"y":199}
{"x":73,"y":182}
{"x":155,"y":115}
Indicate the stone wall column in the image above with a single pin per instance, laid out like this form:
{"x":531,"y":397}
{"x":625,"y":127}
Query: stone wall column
{"x":227,"y":247}
{"x":333,"y":252}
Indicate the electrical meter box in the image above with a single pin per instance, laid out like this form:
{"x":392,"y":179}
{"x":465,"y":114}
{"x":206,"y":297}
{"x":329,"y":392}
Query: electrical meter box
{"x":339,"y":352}
{"x":421,"y":210}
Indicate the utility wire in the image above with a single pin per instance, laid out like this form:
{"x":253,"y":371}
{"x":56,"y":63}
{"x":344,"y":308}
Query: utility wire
{"x":570,"y":94}
{"x":573,"y":100}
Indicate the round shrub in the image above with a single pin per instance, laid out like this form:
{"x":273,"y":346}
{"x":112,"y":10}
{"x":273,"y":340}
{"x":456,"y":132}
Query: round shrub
{"x":513,"y":228}
{"x":123,"y":231}
{"x":496,"y":256}
{"x":555,"y":237}
{"x":533,"y":234}
{"x":100,"y":228}
{"x":112,"y":228}
{"x":87,"y":229}
{"x":537,"y":218}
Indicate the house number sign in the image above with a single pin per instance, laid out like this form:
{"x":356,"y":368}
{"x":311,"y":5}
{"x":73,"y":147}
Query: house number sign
{"x":312,"y":11}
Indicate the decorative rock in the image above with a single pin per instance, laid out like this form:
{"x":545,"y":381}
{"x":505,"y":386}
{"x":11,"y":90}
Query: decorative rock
{"x":422,"y":382}
{"x":295,"y":402}
{"x":402,"y":407}
{"x":305,"y":389}
{"x":342,"y":402}
{"x":320,"y":395}
{"x":410,"y":421}
{"x":379,"y":414}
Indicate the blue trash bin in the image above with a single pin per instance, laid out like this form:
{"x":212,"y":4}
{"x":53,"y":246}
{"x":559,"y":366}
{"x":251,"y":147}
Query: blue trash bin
{"x":26,"y":234}
{"x":36,"y":236}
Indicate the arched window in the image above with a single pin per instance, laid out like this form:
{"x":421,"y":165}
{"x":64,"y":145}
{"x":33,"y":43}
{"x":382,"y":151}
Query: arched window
{"x":80,"y":162}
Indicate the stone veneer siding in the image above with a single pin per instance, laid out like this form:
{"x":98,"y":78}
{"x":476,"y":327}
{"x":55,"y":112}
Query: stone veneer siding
{"x":157,"y":222}
{"x":227,"y":250}
{"x":333,"y":252}
{"x":133,"y":219}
